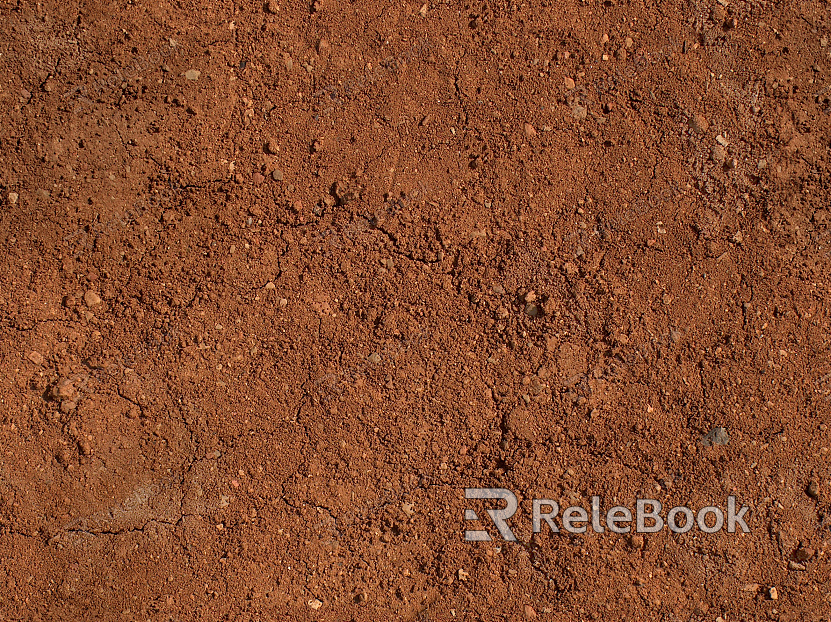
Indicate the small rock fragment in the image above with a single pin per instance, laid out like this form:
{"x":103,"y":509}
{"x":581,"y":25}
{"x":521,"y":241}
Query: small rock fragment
{"x":374,"y":358}
{"x":315,"y":604}
{"x":192,"y":74}
{"x":258,"y":178}
{"x":699,"y":123}
{"x":773,"y":593}
{"x":463,"y":575}
{"x":85,"y":447}
{"x":63,"y":389}
{"x":569,"y":83}
{"x":718,"y":154}
{"x":636,"y":541}
{"x":92,"y":299}
{"x":530,"y":132}
{"x":579,"y":112}
{"x":272,"y":147}
{"x":530,"y":614}
{"x":36,"y":357}
{"x":812,"y":489}
{"x":273,"y":7}
{"x":277,"y":174}
{"x":716,"y":436}
{"x":13,"y":196}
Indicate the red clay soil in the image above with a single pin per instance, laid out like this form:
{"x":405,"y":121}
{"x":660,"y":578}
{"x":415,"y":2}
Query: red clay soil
{"x":279,"y":281}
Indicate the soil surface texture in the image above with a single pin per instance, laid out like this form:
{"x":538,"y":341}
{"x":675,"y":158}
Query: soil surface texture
{"x":280,"y":280}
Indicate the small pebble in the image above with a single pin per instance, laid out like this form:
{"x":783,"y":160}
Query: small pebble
{"x":569,"y":83}
{"x":530,"y":614}
{"x":36,"y":357}
{"x":718,"y":154}
{"x":192,"y":74}
{"x":530,"y":132}
{"x":258,"y":178}
{"x":813,"y":489}
{"x":92,"y":299}
{"x":716,"y":436}
{"x":773,"y":593}
{"x":273,"y":7}
{"x":699,"y":123}
{"x":315,"y":604}
{"x":277,"y":175}
{"x":272,"y":147}
{"x":63,"y":389}
{"x":13,"y":196}
{"x":374,"y":358}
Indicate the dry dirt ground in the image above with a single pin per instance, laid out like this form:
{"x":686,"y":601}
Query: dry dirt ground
{"x":280,"y":280}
